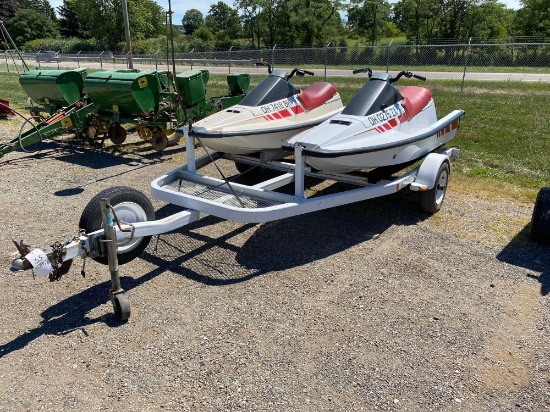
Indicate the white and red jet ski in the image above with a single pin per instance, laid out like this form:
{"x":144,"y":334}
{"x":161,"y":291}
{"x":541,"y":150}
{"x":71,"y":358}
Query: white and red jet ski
{"x":269,"y":115}
{"x":380,"y":126}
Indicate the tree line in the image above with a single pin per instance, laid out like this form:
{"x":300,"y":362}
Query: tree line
{"x":97,"y":24}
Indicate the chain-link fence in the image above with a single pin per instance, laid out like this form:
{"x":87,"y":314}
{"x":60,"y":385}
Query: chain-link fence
{"x":468,"y":61}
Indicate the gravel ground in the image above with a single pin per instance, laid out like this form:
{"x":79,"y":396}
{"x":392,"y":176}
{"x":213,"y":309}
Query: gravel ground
{"x":371,"y":306}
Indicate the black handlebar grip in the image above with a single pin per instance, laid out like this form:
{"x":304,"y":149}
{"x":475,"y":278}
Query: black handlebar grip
{"x":417,"y":76}
{"x":309,"y":73}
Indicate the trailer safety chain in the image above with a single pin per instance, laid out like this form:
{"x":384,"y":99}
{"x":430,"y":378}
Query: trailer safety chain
{"x":60,"y":267}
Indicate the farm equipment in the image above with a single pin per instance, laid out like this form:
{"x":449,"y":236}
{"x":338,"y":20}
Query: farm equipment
{"x":5,"y":110}
{"x":99,"y":103}
{"x":51,"y":90}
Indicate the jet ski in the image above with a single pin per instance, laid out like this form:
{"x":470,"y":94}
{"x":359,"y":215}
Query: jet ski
{"x":269,"y":115}
{"x":381,"y":126}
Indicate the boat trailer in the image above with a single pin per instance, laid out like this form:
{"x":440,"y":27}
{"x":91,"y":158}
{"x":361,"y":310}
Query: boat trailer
{"x":117,"y":224}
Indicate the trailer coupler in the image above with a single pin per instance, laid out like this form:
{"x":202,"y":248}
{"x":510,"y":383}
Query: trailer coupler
{"x":53,"y":263}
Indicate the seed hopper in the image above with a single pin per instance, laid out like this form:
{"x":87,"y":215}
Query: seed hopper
{"x":98,"y":104}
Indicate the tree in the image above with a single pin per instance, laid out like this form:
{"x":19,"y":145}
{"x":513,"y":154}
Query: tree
{"x":317,"y":21}
{"x":249,"y":18}
{"x":369,"y":18}
{"x":533,"y":19}
{"x":29,"y":25}
{"x":41,"y":6}
{"x":222,"y":17}
{"x":417,"y":18}
{"x":7,"y":10}
{"x":102,"y":20}
{"x":72,"y":21}
{"x":192,"y":21}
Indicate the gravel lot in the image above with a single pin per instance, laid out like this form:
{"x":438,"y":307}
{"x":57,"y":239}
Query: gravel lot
{"x":371,"y":306}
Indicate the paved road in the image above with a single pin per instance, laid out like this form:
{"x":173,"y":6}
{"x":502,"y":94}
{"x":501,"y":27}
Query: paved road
{"x":528,"y":77}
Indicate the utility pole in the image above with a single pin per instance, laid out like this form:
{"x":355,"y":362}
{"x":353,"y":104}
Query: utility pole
{"x":127,"y":32}
{"x":170,"y":12}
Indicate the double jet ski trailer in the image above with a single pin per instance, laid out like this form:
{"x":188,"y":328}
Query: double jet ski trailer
{"x":117,"y":224}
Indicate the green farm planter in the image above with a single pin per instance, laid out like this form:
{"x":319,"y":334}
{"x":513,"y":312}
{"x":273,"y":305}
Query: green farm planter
{"x":53,"y":89}
{"x":125,"y":92}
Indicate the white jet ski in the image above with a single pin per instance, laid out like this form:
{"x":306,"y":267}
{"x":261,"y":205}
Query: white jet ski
{"x":269,"y":115}
{"x":380,"y":126}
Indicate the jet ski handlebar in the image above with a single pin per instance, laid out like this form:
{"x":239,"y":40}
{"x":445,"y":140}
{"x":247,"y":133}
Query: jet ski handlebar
{"x":300,"y":73}
{"x":294,"y":72}
{"x":364,"y":70}
{"x":408,"y":75}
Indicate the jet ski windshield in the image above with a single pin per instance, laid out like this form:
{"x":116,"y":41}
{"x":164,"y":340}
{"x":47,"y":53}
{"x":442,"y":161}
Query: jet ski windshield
{"x":269,"y":90}
{"x":374,"y":96}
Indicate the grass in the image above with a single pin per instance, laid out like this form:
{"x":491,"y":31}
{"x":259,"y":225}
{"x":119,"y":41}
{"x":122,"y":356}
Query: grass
{"x":504,"y":136}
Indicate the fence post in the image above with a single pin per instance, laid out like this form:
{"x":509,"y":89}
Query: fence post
{"x":101,"y":59}
{"x":229,"y":58}
{"x":38,"y":60}
{"x":326,"y":59}
{"x":465,"y":64}
{"x":191,"y":58}
{"x":78,"y":58}
{"x":273,"y":57}
{"x":6,"y":57}
{"x":388,"y":57}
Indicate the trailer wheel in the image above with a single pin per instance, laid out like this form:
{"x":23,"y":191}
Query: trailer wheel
{"x":117,"y":134}
{"x":540,"y":222}
{"x":159,"y":141}
{"x":121,"y":306}
{"x":431,"y":200}
{"x":130,"y":206}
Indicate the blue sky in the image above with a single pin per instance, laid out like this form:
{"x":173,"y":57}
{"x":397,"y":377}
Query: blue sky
{"x":181,"y":6}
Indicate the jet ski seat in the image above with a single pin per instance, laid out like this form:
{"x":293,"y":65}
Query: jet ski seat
{"x":316,"y":94}
{"x":415,"y":98}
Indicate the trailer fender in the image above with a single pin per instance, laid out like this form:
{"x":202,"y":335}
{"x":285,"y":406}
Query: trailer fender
{"x":427,"y":172}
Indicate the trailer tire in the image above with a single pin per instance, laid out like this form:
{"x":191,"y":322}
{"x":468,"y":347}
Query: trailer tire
{"x":540,"y":221}
{"x":432,"y":199}
{"x":131,"y":206}
{"x":121,"y":306}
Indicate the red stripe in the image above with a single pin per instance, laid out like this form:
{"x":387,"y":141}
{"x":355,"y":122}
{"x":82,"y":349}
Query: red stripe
{"x":285,"y":113}
{"x":393,"y":122}
{"x":297,"y":109}
{"x":387,"y":126}
{"x":277,"y":115}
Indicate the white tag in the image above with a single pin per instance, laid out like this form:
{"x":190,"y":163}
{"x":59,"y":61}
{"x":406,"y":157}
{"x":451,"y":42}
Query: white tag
{"x":40,"y":262}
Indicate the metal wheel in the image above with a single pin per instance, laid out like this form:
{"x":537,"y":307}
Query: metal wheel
{"x":130,"y":206}
{"x":540,"y":222}
{"x":144,"y":132}
{"x":431,"y":200}
{"x":121,"y":305}
{"x":117,"y":134}
{"x":159,"y":141}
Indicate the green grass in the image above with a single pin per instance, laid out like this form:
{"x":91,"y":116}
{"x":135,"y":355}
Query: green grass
{"x":504,"y":136}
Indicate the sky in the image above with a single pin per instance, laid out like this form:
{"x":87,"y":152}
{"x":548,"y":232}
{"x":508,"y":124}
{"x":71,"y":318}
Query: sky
{"x":179,"y":7}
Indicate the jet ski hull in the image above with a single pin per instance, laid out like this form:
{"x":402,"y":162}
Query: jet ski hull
{"x":393,"y":149}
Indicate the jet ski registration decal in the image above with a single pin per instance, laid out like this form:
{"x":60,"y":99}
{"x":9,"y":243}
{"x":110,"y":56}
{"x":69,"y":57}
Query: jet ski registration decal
{"x":386,"y":114}
{"x":279,"y":105}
